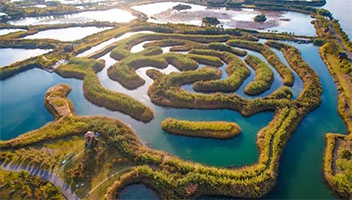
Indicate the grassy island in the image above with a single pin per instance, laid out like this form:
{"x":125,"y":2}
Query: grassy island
{"x":210,"y":21}
{"x":56,"y":101}
{"x":260,"y":18}
{"x":217,"y":130}
{"x":180,"y":7}
{"x":263,"y":79}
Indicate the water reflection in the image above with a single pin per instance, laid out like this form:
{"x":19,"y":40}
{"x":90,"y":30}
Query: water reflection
{"x":229,"y":18}
{"x":67,"y":34}
{"x":112,"y":15}
{"x":11,"y":55}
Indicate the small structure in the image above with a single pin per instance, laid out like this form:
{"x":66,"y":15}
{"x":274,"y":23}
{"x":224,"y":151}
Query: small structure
{"x":342,"y":55}
{"x":91,"y":138}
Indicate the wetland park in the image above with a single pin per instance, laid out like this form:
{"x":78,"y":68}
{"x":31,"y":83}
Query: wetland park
{"x":189,"y":99}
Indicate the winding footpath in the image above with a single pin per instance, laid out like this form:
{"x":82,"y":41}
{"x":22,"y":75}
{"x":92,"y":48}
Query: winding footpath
{"x":108,"y":178}
{"x":52,"y":178}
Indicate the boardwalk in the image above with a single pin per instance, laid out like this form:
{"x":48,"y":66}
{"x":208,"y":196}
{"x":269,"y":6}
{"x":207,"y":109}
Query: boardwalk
{"x":52,"y":178}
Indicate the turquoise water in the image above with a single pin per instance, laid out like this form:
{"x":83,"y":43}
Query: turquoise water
{"x":300,"y":173}
{"x":143,"y":192}
{"x":22,"y":101}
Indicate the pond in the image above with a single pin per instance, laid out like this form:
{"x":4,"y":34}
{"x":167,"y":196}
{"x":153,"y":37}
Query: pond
{"x":9,"y":30}
{"x":230,"y":18}
{"x":112,"y":15}
{"x":12,"y":55}
{"x":67,"y":34}
{"x":23,"y":110}
{"x":137,"y":191}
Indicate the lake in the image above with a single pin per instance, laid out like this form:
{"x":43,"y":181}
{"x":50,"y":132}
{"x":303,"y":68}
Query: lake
{"x":230,"y":18}
{"x":12,"y":55}
{"x":82,"y":17}
{"x":67,"y":34}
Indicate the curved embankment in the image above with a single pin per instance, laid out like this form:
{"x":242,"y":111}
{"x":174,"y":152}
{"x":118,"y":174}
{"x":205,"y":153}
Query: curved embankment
{"x":217,"y":130}
{"x":264,"y":77}
{"x":85,"y":69}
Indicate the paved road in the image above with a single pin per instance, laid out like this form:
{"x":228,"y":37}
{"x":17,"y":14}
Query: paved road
{"x":52,"y":178}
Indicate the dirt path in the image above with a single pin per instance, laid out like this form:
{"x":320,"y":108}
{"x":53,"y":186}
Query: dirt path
{"x":349,"y":54}
{"x":55,"y":180}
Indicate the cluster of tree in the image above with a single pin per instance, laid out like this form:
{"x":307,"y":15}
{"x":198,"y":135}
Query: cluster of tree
{"x":16,"y":12}
{"x":211,"y":21}
{"x":338,"y":178}
{"x":21,"y":185}
{"x":236,"y":70}
{"x":260,"y":18}
{"x":218,"y":130}
{"x":180,"y":7}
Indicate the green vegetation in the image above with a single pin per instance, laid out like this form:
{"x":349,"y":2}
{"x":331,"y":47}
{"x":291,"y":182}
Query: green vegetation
{"x":85,"y":69}
{"x":211,"y":21}
{"x":181,"y":7}
{"x":52,"y":8}
{"x":218,"y":130}
{"x":180,"y":62}
{"x":124,"y":71}
{"x":21,"y":185}
{"x":206,"y":60}
{"x":223,"y":47}
{"x":338,"y":164}
{"x":260,"y":18}
{"x":270,"y":56}
{"x":236,"y":69}
{"x":56,"y":102}
{"x":263,"y":79}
